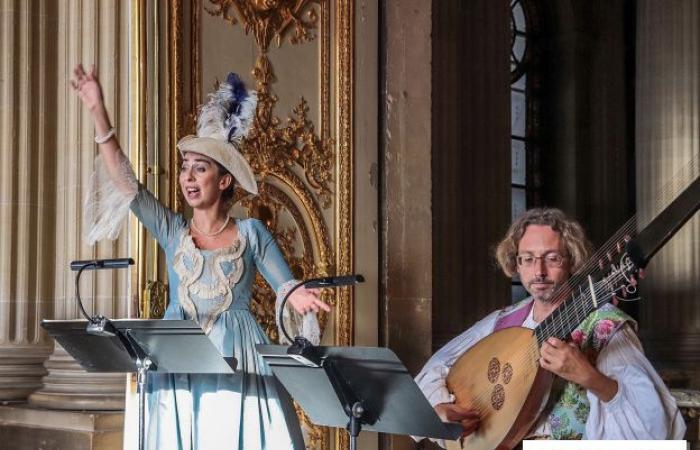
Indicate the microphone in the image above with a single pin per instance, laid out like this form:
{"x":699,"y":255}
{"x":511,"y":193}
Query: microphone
{"x":301,"y":349}
{"x":97,"y":325}
{"x":344,"y":280}
{"x":94,"y":264}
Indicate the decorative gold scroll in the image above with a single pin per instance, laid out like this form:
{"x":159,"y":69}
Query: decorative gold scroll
{"x":270,"y":18}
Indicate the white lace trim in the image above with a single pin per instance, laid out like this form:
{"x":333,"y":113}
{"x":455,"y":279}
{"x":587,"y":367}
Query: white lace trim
{"x":187,"y":276}
{"x":190,"y":280}
{"x":296,"y":324}
{"x":107,"y":201}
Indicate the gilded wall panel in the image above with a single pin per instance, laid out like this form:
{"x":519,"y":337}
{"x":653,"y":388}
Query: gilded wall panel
{"x":298,"y":56}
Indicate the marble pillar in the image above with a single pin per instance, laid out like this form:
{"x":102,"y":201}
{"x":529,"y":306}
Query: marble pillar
{"x":91,"y":33}
{"x":27,"y":207}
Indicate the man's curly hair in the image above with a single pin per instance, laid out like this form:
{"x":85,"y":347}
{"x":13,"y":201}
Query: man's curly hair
{"x":577,"y":246}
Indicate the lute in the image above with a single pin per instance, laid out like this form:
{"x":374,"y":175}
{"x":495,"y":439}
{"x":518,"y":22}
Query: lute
{"x":501,"y":377}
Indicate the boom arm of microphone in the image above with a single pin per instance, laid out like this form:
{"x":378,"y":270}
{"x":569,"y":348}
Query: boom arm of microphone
{"x":344,"y":280}
{"x":301,"y":349}
{"x":98,"y":325}
{"x":93,"y":264}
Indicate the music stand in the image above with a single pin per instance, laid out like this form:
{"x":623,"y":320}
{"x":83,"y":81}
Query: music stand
{"x":140,"y":346}
{"x":358,"y":388}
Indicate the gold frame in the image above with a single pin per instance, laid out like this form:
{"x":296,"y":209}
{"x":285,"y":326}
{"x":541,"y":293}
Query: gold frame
{"x":345,"y":19}
{"x":137,"y":145}
{"x":149,"y":293}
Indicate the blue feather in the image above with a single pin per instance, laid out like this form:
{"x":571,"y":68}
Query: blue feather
{"x":238,"y":95}
{"x":238,"y":92}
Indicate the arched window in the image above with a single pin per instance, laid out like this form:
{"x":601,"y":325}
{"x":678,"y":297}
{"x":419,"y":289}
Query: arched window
{"x":524,"y":107}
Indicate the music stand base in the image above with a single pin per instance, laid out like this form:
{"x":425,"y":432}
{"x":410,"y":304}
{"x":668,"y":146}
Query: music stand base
{"x":142,"y":374}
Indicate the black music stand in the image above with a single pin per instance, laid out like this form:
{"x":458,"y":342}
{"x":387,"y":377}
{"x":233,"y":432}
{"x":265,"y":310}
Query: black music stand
{"x":141,"y":346}
{"x":358,"y":388}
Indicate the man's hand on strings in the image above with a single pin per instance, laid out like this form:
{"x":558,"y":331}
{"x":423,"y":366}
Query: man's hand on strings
{"x":468,"y":418}
{"x":567,"y":361}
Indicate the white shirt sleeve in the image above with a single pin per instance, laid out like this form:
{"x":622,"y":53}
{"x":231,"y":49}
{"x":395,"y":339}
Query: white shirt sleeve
{"x":431,"y":380}
{"x":643,"y":408}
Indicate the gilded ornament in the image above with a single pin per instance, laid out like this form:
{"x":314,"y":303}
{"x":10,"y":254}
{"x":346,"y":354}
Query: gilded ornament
{"x":344,"y":185}
{"x":154,"y":301}
{"x":270,"y":18}
{"x":272,"y":149}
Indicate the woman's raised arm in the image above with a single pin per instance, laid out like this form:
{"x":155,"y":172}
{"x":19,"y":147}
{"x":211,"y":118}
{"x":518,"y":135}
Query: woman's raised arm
{"x":89,"y":91}
{"x":113,"y":185}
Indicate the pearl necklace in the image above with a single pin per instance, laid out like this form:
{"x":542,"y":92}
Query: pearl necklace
{"x":215,"y":233}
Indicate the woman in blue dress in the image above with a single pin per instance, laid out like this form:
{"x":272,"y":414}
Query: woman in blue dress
{"x":212,"y":260}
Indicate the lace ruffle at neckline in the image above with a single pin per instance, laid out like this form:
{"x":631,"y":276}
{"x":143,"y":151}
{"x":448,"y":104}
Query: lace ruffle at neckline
{"x":189,"y":263}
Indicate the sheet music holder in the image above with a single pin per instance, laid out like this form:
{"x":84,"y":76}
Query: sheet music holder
{"x":141,"y":346}
{"x":358,"y":388}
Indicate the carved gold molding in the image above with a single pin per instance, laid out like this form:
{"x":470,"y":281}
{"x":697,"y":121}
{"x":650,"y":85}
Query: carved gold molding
{"x":137,"y":145}
{"x":272,"y":150}
{"x":345,"y":19}
{"x":270,"y":18}
{"x":154,"y":301}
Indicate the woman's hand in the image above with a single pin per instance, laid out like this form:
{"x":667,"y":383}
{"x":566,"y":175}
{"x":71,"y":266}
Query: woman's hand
{"x":89,"y":91}
{"x":88,"y":87}
{"x":305,"y":300}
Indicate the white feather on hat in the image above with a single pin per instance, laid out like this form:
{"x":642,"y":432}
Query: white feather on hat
{"x":222,"y":122}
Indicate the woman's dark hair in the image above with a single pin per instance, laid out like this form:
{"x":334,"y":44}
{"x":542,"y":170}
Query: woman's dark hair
{"x":227,"y":195}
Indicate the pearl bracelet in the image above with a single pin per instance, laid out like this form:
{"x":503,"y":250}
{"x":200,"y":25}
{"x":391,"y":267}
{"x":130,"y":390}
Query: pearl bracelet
{"x":106,"y":137}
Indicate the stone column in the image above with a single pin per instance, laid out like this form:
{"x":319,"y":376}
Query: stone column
{"x":26,"y":200}
{"x":668,"y":148}
{"x":405,"y":276}
{"x":406,"y":223}
{"x":88,"y":32}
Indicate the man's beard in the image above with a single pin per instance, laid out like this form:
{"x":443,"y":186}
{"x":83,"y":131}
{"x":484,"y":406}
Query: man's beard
{"x":546,"y":296}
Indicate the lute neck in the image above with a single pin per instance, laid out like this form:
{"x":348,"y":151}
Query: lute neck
{"x":583,"y":296}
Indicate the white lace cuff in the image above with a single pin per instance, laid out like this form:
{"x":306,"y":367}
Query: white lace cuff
{"x":107,"y":201}
{"x":296,"y":324}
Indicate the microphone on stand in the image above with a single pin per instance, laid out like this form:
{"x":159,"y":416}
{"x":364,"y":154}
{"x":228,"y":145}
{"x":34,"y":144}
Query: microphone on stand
{"x":344,"y":280}
{"x":301,"y":349}
{"x":97,"y":325}
{"x":91,"y":264}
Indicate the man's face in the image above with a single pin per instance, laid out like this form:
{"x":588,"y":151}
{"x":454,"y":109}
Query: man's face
{"x":541,"y":266}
